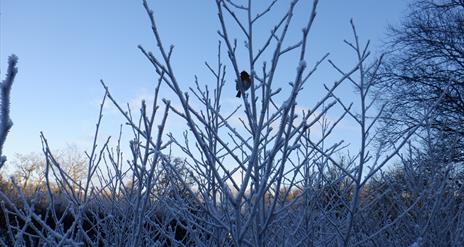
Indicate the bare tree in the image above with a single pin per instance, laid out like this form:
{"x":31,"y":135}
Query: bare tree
{"x":73,"y":161}
{"x":425,"y":58}
{"x":29,"y":169}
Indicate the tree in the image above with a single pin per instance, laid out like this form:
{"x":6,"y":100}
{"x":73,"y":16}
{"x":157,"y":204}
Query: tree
{"x":425,"y":64}
{"x":73,"y":161}
{"x":29,"y":170}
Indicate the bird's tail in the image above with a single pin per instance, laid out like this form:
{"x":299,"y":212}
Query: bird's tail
{"x":239,"y":94}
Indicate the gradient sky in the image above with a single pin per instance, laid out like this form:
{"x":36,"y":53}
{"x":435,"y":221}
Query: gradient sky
{"x":65,"y":47}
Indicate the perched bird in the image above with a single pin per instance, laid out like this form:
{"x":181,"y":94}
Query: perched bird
{"x":245,"y":81}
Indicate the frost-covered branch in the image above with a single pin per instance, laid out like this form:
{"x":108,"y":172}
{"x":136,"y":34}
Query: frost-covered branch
{"x":5,"y":89}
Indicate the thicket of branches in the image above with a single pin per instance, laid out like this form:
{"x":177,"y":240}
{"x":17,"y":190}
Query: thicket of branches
{"x":281,"y":178}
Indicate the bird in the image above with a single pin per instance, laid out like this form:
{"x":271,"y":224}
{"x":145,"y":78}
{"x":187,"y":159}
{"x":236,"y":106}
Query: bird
{"x":245,"y":83}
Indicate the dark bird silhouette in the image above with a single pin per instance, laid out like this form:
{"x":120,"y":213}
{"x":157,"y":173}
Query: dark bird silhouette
{"x":245,"y":83}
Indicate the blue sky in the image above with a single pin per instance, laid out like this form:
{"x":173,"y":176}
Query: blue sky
{"x":66,"y":47}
